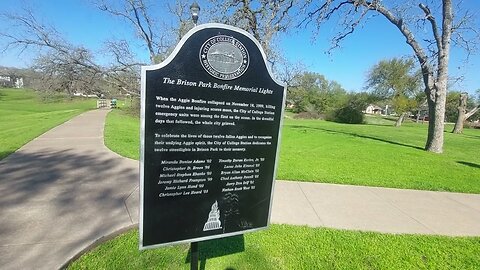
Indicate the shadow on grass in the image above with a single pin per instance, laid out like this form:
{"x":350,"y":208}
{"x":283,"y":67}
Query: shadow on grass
{"x":218,"y":248}
{"x":389,"y":119}
{"x":358,"y":136}
{"x":377,"y":121}
{"x":469,"y":164}
{"x":472,"y":136}
{"x":404,"y":124}
{"x":378,"y":124}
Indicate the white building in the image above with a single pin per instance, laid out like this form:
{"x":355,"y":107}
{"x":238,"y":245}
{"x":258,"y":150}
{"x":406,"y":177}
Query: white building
{"x":373,"y":109}
{"x":11,"y":81}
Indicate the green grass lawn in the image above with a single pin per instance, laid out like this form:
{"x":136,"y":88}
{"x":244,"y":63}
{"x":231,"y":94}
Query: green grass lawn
{"x":375,"y":154}
{"x":23,"y":116}
{"x":122,"y":134}
{"x":378,"y":155}
{"x":294,"y":247}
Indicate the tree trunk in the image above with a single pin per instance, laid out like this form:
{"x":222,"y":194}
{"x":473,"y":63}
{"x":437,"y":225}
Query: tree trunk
{"x":436,"y":119}
{"x":437,"y":94}
{"x":400,"y":120}
{"x":462,"y":108}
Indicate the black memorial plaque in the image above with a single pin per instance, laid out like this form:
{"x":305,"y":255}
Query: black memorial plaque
{"x":211,"y":116}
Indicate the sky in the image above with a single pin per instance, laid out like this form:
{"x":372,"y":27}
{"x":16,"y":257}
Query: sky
{"x":81,"y":23}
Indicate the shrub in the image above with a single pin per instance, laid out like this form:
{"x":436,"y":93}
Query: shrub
{"x":347,"y":114}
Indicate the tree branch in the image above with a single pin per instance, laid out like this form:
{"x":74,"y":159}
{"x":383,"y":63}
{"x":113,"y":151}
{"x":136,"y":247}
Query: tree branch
{"x":427,"y":71}
{"x":472,"y":112}
{"x":433,"y":23}
{"x":135,"y":13}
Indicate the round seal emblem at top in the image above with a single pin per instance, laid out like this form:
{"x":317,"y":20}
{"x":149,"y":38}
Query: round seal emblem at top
{"x":224,"y":57}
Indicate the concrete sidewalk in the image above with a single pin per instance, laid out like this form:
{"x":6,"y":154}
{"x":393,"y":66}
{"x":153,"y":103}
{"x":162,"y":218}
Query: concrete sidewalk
{"x":376,"y":209}
{"x":61,"y":192}
{"x":64,"y":190}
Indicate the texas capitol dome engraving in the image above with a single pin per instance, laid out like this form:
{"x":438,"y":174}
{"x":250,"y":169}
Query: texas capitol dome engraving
{"x":224,"y":57}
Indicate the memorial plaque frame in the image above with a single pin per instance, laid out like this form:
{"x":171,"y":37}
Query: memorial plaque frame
{"x":237,"y":72}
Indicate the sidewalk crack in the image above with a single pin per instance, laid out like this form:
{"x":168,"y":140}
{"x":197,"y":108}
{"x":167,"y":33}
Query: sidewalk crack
{"x":125,"y":203}
{"x":402,"y":211}
{"x":310,"y":203}
{"x":459,"y":202}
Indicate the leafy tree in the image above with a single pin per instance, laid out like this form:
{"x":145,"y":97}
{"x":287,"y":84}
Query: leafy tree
{"x":396,"y":80}
{"x":350,"y":112}
{"x":360,"y":101}
{"x":447,"y":22}
{"x":313,"y":92}
{"x":451,"y":106}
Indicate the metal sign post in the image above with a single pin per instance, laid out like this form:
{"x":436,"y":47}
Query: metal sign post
{"x":194,"y":256}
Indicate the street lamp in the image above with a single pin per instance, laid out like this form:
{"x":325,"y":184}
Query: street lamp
{"x":195,"y":9}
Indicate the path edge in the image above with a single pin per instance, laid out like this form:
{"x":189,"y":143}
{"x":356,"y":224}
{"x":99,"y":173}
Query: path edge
{"x":96,"y":243}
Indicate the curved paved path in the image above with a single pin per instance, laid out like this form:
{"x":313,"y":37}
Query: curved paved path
{"x":64,"y":190}
{"x":61,"y":192}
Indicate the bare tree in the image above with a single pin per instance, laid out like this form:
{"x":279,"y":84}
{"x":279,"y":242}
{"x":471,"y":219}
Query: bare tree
{"x":463,"y":115}
{"x":289,"y":72}
{"x":262,"y":18}
{"x":158,"y":38}
{"x":65,"y":66}
{"x":123,"y":72}
{"x":432,"y":51}
{"x":265,"y":21}
{"x":137,"y":14}
{"x":29,"y":32}
{"x":183,"y":22}
{"x":63,"y":73}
